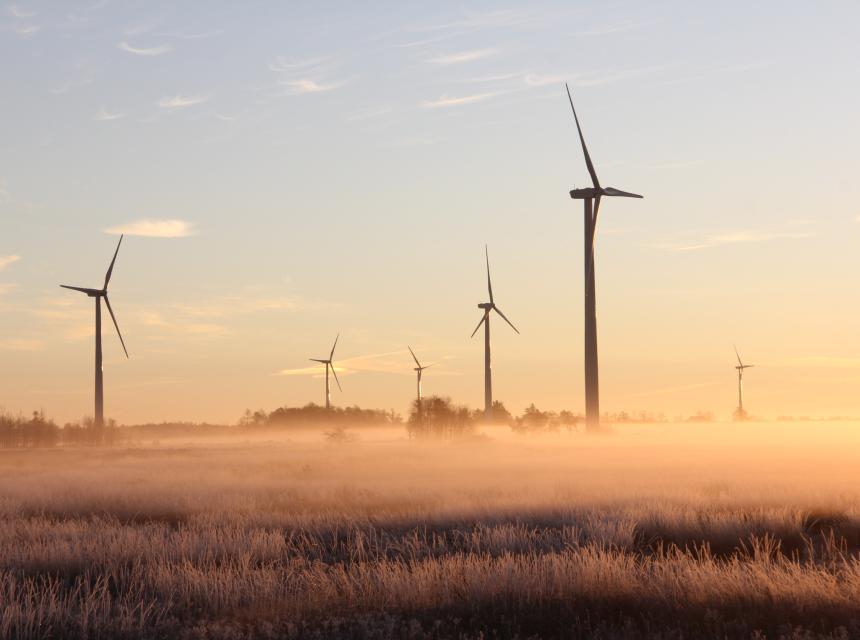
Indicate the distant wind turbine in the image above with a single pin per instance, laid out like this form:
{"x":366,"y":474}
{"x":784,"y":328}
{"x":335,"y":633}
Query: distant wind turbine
{"x":485,"y":320}
{"x":419,"y":370}
{"x":591,"y":199}
{"x":98,"y":294}
{"x":740,"y":413}
{"x":329,"y":365}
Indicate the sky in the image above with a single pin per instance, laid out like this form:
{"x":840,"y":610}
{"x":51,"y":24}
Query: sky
{"x":288,"y":171}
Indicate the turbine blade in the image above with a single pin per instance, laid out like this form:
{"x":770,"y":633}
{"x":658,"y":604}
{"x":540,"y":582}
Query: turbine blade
{"x":588,"y":164}
{"x":489,"y":283}
{"x":413,"y":355}
{"x":316,"y":360}
{"x":110,"y":268}
{"x":331,"y":355}
{"x":609,"y":191}
{"x":593,"y":233}
{"x":484,"y":317}
{"x":81,"y":289}
{"x":113,"y":317}
{"x":738,"y":355}
{"x":505,"y":318}
{"x":331,"y":364}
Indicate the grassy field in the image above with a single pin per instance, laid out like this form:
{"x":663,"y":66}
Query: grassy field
{"x":653,"y":531}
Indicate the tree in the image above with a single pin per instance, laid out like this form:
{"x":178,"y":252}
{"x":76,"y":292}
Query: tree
{"x":439,"y":417}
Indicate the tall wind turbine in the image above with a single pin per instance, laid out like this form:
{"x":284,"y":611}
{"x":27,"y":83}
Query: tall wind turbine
{"x":485,"y":320}
{"x":98,"y":294}
{"x":329,"y":365}
{"x":740,"y":414}
{"x":591,"y":198}
{"x":419,"y":370}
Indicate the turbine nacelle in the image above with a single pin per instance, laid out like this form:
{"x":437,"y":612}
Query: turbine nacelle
{"x":591,"y":193}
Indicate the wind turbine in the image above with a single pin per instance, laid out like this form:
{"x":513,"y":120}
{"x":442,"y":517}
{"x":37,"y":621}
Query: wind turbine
{"x":329,"y":365}
{"x":740,"y":414}
{"x":591,"y":198}
{"x":485,"y":320}
{"x":418,"y":369}
{"x":98,"y":294}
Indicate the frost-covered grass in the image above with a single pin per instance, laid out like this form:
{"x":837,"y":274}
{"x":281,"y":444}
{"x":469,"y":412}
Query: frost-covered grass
{"x":664,"y":532}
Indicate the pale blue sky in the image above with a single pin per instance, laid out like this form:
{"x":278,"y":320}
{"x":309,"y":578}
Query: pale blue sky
{"x":339,"y":168}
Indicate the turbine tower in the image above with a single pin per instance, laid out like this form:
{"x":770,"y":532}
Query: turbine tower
{"x":591,"y":199}
{"x":329,"y":365}
{"x":98,"y":294}
{"x":485,"y":320}
{"x":418,"y":369}
{"x":740,"y":413}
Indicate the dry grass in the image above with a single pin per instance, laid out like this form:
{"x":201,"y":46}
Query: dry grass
{"x":663,"y":532}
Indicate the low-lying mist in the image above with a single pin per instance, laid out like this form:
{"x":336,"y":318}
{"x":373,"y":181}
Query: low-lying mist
{"x":655,"y":530}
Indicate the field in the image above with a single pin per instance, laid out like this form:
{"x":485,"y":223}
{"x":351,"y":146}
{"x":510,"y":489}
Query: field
{"x":652,"y":531}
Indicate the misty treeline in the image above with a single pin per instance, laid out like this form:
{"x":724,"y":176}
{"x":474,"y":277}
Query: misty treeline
{"x":434,"y":416}
{"x":37,"y":431}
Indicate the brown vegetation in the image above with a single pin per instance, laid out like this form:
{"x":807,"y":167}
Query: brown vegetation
{"x":663,"y":532}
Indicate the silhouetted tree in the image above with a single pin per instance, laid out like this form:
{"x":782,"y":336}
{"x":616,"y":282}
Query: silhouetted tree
{"x":439,"y":417}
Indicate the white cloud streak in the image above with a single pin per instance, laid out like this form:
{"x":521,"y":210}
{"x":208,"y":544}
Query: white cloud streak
{"x":104,"y":115}
{"x":151,"y":228}
{"x":180,"y":102}
{"x":463,"y":56}
{"x":307,"y":85}
{"x":5,"y":261}
{"x":150,"y":52}
{"x":449,"y":101}
{"x":27,"y":30}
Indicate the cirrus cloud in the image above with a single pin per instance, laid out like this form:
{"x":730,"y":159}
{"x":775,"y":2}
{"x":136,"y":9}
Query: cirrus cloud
{"x":179,"y":101}
{"x":5,"y":261}
{"x":152,"y":228}
{"x":152,"y":51}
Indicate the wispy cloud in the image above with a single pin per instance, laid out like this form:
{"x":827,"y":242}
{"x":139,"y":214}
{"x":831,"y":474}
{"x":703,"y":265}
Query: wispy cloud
{"x":27,"y":30}
{"x":740,"y":237}
{"x":463,"y":56}
{"x":197,"y":329}
{"x":152,"y":51}
{"x":104,"y":115}
{"x":17,"y":12}
{"x":307,"y":85}
{"x":537,"y":80}
{"x":5,"y":261}
{"x":306,"y":76}
{"x":151,"y":228}
{"x":452,"y":101}
{"x":6,"y":287}
{"x":292,"y":65}
{"x":179,"y":101}
{"x":397,"y":362}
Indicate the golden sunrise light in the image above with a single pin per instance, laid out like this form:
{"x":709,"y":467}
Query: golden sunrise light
{"x":429,"y":320}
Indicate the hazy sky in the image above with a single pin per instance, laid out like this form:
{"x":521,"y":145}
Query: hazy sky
{"x":286,"y":171}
